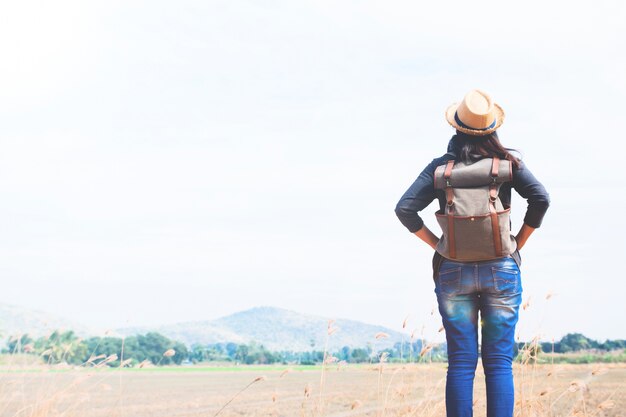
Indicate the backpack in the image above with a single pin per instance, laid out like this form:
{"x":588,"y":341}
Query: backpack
{"x":474,"y":222}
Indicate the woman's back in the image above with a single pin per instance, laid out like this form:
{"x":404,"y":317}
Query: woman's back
{"x":485,"y":279}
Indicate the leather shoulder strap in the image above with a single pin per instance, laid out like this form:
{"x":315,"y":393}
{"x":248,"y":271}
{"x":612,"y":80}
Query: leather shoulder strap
{"x":448,"y":172}
{"x":495,"y":167}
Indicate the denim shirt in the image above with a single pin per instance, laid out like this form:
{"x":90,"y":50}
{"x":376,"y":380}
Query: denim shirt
{"x":422,"y":192}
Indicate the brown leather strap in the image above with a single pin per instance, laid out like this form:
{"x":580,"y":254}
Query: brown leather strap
{"x":449,"y":196}
{"x":437,"y":174}
{"x":493,"y":194}
{"x":450,"y":208}
{"x":448,"y":171}
{"x":451,"y":238}
{"x":495,"y":167}
{"x":495,"y":224}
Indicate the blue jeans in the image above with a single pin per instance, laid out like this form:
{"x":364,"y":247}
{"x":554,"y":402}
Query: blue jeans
{"x":463,"y":289}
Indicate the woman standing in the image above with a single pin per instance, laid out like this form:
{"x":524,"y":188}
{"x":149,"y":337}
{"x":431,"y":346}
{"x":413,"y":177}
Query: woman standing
{"x":476,"y":261}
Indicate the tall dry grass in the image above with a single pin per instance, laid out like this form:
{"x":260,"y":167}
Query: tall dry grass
{"x":412,"y":387}
{"x":47,"y":398}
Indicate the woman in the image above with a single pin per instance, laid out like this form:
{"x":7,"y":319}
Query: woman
{"x":490,"y":286}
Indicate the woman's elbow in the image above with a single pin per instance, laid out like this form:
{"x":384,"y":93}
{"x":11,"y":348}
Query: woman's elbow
{"x":541,"y":197}
{"x":544,"y":200}
{"x":402,"y":209}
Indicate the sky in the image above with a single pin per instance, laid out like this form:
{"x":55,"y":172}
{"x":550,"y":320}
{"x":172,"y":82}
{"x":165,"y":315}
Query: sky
{"x":174,"y":161}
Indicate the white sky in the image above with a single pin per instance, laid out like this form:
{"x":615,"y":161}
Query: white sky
{"x":168,"y":161}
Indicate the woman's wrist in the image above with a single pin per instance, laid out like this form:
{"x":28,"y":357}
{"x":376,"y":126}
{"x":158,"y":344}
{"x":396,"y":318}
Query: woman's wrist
{"x":522,"y":236}
{"x":427,"y":236}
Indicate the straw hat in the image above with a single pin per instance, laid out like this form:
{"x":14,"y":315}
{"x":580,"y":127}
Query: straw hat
{"x":476,"y":115}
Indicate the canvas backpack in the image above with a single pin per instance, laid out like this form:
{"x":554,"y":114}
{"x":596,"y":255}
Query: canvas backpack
{"x":474,"y":222}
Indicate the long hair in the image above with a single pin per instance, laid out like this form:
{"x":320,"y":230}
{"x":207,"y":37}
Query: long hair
{"x":469,"y":148}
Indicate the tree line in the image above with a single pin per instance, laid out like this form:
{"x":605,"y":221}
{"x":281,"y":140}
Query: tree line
{"x":576,"y":342}
{"x":255,"y":353}
{"x":67,"y":347}
{"x":154,"y":348}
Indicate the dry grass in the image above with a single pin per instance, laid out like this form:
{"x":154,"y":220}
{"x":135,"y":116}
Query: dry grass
{"x":335,"y":389}
{"x":372,"y":390}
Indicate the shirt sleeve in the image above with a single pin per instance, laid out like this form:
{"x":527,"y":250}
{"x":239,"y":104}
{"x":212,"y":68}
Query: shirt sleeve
{"x":526,"y":185}
{"x":419,"y":195}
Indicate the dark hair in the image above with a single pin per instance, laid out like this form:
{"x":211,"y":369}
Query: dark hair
{"x":469,"y":148}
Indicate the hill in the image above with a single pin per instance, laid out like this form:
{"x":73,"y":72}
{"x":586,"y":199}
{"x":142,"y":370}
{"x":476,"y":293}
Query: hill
{"x":16,"y":320}
{"x":276,"y":329}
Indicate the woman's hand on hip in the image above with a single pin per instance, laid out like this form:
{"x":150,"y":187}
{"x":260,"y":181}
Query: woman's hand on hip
{"x":523,"y":235}
{"x":427,"y":236}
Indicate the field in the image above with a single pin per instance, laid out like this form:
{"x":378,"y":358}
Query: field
{"x":347,"y":390}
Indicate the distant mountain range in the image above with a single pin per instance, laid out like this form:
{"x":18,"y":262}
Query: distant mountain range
{"x":16,"y":320}
{"x":275,"y":328}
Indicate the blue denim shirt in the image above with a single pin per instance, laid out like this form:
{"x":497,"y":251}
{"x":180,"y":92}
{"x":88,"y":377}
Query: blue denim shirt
{"x":422,"y":192}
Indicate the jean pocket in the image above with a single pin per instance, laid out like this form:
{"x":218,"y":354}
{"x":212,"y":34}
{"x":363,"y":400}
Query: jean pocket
{"x":449,"y":281}
{"x":506,"y":280}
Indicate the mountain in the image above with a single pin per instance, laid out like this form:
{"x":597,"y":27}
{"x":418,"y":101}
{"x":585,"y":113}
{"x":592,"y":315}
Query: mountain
{"x":15,"y":320}
{"x":202,"y":332}
{"x":276,"y":329}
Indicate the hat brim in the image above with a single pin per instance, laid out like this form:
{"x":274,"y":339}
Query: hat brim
{"x":451,"y":110}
